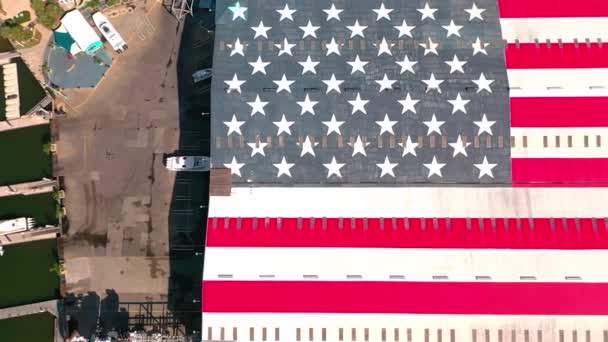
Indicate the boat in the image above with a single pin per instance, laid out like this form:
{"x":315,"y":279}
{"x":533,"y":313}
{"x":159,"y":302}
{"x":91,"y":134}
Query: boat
{"x":17,"y":225}
{"x":188,"y":163}
{"x":201,"y":75}
{"x":109,"y":32}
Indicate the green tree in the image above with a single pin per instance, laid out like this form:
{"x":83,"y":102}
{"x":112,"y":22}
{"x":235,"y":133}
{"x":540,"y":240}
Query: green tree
{"x":46,"y":148}
{"x":57,"y":268}
{"x":48,"y":12}
{"x":93,"y":4}
{"x":16,"y":33}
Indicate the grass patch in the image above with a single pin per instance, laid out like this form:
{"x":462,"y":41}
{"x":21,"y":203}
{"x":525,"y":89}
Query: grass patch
{"x":22,"y":157}
{"x":41,"y":207}
{"x":26,"y":275}
{"x":38,"y":327}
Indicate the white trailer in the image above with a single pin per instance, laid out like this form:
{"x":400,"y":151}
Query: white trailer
{"x":109,"y":32}
{"x":82,"y":33}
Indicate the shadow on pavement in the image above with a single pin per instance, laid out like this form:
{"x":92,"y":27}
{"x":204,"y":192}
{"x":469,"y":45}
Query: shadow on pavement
{"x":188,"y":211}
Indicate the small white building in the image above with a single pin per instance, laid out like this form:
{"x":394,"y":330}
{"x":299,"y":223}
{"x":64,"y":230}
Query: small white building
{"x":83,"y":34}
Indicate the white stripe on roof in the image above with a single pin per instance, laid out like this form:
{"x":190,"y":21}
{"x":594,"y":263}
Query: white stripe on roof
{"x":536,"y":137}
{"x":217,"y":324}
{"x":526,"y":30}
{"x":385,"y":264}
{"x":558,"y":82}
{"x":410,"y":202}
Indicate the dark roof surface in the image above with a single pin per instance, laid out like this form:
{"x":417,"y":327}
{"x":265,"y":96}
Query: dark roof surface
{"x":310,"y":169}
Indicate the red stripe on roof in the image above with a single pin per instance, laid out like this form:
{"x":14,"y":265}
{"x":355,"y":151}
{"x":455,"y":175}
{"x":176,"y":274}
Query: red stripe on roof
{"x":559,"y":111}
{"x":569,"y":55}
{"x":401,"y":297}
{"x":538,"y":233}
{"x":565,"y":172}
{"x":552,"y":8}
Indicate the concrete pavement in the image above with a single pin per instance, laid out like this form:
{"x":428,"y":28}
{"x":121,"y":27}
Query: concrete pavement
{"x":29,"y":188}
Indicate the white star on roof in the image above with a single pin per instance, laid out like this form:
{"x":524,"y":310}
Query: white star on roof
{"x":333,"y":168}
{"x":484,"y":125}
{"x":284,"y":168}
{"x":433,"y":83}
{"x":307,"y":106}
{"x":261,"y":30}
{"x":235,"y":167}
{"x":475,"y":12}
{"x":333,"y":125}
{"x":409,"y":147}
{"x":456,"y":65}
{"x":408,"y":104}
{"x":359,"y":147}
{"x":307,"y":147}
{"x":459,"y":104}
{"x":237,"y":11}
{"x":234,"y":84}
{"x":257,"y":148}
{"x":430,"y":47}
{"x":309,"y":66}
{"x":333,"y":84}
{"x":453,"y":29}
{"x":407,"y":65}
{"x":333,"y":13}
{"x":385,"y":83}
{"x":237,"y":48}
{"x":333,"y":47}
{"x":309,"y":30}
{"x":358,"y":104}
{"x":285,"y":47}
{"x":357,"y":65}
{"x":386,"y":125}
{"x":384,"y":48}
{"x":404,"y":29}
{"x":483,"y":83}
{"x":356,"y":30}
{"x":459,"y":147}
{"x":433,"y":125}
{"x":259,"y":66}
{"x":427,"y":12}
{"x":286,"y":13}
{"x":257,"y":106}
{"x":434,"y":168}
{"x":383,"y":12}
{"x":479,"y":47}
{"x":234,"y":125}
{"x":485,"y":168}
{"x":283,"y":125}
{"x":387,"y":168}
{"x":283,"y":84}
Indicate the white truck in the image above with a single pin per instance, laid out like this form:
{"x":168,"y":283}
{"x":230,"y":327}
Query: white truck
{"x":109,"y":32}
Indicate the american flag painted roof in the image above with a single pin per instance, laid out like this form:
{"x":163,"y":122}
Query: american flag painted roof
{"x":407,"y":169}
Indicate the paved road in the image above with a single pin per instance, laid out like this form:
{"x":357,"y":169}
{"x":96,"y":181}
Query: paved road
{"x":24,"y":121}
{"x":49,"y":306}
